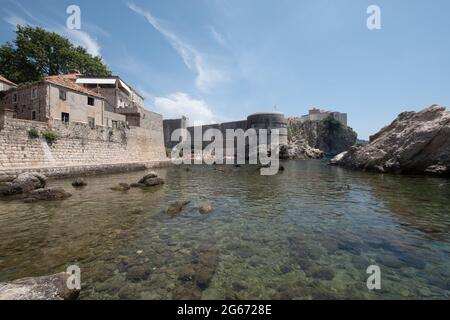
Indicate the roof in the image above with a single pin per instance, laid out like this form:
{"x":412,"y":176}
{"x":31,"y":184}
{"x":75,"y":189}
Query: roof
{"x":67,"y":82}
{"x":3,"y":79}
{"x":106,"y":80}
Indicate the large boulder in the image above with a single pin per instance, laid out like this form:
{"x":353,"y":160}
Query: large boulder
{"x":24,"y":183}
{"x":299,"y":150}
{"x":416,"y":142}
{"x":52,"y":287}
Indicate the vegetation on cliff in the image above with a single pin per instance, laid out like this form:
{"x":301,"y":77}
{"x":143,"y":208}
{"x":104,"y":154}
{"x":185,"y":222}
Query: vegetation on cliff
{"x":37,"y":53}
{"x":328,"y":135}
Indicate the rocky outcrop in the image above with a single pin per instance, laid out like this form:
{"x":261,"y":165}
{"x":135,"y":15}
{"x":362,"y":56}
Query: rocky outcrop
{"x":299,"y":150}
{"x":329,"y":135}
{"x":52,"y":287}
{"x":416,"y":142}
{"x":23,"y":183}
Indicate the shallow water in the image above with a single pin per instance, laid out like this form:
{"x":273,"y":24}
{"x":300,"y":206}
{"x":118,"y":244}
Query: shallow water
{"x":302,"y":234}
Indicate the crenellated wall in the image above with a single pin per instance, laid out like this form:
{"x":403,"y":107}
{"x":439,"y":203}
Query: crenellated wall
{"x":77,"y":144}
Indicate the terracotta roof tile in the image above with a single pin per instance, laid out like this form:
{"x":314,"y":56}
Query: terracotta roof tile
{"x":3,"y":79}
{"x":67,"y":82}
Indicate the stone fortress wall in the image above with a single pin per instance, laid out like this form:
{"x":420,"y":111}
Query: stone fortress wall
{"x":268,"y":121}
{"x":78,"y":146}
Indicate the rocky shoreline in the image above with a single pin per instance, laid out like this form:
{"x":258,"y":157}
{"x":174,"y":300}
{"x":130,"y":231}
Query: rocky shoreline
{"x":414,"y":143}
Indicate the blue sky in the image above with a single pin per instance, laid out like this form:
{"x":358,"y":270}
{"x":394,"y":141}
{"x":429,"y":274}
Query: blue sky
{"x":221,"y":60}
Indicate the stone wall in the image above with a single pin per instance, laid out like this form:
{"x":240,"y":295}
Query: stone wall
{"x":77,"y":145}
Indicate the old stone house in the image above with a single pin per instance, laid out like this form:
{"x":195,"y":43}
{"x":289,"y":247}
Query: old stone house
{"x":5,"y":84}
{"x":55,"y":98}
{"x":120,"y":98}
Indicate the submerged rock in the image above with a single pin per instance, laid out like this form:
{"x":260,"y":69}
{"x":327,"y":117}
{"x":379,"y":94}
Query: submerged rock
{"x":47,"y":194}
{"x":389,"y":261}
{"x":52,"y":287}
{"x":416,"y":142}
{"x":176,"y":207}
{"x":323,"y":273}
{"x":121,"y":187}
{"x":24,"y":183}
{"x":79,"y":183}
{"x":138,"y":273}
{"x":205,"y":208}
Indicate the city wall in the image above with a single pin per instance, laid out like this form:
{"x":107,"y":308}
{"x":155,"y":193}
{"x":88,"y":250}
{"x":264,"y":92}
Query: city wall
{"x":79,"y":148}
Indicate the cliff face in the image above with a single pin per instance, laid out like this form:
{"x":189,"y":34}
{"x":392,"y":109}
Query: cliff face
{"x":328,"y":135}
{"x":416,"y":142}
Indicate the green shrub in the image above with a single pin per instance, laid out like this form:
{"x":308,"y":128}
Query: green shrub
{"x":50,"y":135}
{"x":332,"y":124}
{"x":33,"y":133}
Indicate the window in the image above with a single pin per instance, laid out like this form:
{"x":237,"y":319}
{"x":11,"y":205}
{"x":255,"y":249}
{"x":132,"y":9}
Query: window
{"x":34,"y":93}
{"x":15,"y":97}
{"x":91,"y":122}
{"x":90,"y":101}
{"x":62,"y":95}
{"x":33,"y":115}
{"x":114,"y":124}
{"x":65,"y":117}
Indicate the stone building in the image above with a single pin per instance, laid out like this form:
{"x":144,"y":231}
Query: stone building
{"x":120,"y":97}
{"x":55,"y":98}
{"x":316,"y":114}
{"x":5,"y":84}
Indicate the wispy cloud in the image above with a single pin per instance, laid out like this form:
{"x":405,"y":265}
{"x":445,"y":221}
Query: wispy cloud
{"x":207,"y":75}
{"x":180,"y":104}
{"x":14,"y":20}
{"x":81,"y":38}
{"x":218,"y":37}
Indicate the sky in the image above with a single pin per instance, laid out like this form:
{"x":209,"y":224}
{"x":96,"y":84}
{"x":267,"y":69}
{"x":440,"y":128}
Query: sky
{"x":222,"y":60}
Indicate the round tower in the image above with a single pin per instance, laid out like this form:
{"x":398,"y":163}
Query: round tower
{"x":269,"y":121}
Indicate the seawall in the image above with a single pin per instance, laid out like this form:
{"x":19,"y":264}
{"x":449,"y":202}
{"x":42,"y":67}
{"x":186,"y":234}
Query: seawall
{"x":78,"y":148}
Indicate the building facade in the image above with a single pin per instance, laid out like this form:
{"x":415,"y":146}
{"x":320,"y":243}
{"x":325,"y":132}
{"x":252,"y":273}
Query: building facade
{"x":55,"y":98}
{"x":120,"y":97}
{"x":316,"y":114}
{"x":5,"y":84}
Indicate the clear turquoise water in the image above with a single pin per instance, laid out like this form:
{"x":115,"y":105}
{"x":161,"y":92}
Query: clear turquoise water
{"x":299,"y":235}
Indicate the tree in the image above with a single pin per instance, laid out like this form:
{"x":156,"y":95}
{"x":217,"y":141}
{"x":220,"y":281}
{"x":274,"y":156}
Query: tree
{"x":37,"y":53}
